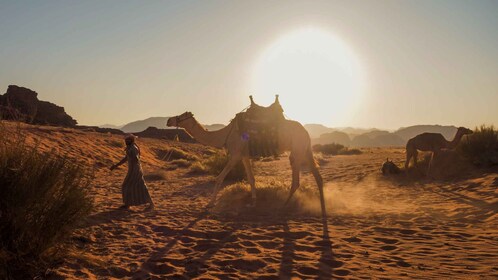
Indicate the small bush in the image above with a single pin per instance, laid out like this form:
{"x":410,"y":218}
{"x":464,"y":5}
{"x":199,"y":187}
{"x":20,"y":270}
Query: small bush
{"x":271,"y":196}
{"x":155,"y":176}
{"x":116,"y":144}
{"x":335,"y":149}
{"x":198,"y":168}
{"x":181,"y":163}
{"x":43,"y":197}
{"x":215,"y":164}
{"x":173,"y":153}
{"x":347,"y":151}
{"x":481,"y":147}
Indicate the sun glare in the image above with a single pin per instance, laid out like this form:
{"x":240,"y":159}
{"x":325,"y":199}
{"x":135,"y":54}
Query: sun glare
{"x":315,"y":73}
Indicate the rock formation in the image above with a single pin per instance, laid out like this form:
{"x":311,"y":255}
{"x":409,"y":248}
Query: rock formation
{"x":22,"y":104}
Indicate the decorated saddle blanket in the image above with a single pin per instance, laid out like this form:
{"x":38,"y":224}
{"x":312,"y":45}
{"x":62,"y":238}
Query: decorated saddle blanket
{"x":259,"y":126}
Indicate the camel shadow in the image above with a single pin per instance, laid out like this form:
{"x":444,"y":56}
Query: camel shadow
{"x":326,"y":263}
{"x":163,"y":251}
{"x":197,"y":266}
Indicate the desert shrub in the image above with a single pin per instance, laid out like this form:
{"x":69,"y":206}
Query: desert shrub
{"x":271,"y":196}
{"x":347,"y":151}
{"x":155,"y":176}
{"x":173,"y":153}
{"x":43,"y":197}
{"x":115,"y":143}
{"x":181,"y":163}
{"x":481,"y":147}
{"x":198,"y":168}
{"x":215,"y":164}
{"x":334,"y":149}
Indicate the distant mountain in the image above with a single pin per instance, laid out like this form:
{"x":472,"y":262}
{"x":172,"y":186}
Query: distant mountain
{"x":364,"y":141}
{"x":375,"y":133}
{"x":337,"y":137}
{"x":141,"y":125}
{"x":409,"y":132}
{"x":356,"y":131}
{"x":381,"y":138}
{"x":157,"y":122}
{"x":389,"y":140}
{"x":213,"y":127}
{"x":315,"y":130}
{"x":110,"y":126}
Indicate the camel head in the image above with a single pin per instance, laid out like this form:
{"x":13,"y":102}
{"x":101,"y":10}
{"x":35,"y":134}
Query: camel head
{"x":464,"y":131}
{"x":177,"y":120}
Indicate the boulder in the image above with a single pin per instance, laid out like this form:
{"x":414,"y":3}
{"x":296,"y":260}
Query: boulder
{"x":19,"y":103}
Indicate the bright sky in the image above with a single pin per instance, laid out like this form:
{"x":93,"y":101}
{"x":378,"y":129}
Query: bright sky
{"x":379,"y":64}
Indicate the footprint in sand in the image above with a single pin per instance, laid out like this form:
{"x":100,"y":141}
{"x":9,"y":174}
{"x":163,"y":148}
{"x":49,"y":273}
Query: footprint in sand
{"x":402,"y":263}
{"x":341,"y":272}
{"x":250,"y":265}
{"x":353,"y":239}
{"x":253,"y":250}
{"x":388,"y":247}
{"x":268,"y":244}
{"x":308,"y":271}
{"x":407,"y":231}
{"x":386,"y":240}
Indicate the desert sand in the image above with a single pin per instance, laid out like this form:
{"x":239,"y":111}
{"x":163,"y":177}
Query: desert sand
{"x":378,"y":227}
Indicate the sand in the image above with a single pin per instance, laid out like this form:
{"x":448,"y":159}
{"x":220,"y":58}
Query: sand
{"x":378,"y":227}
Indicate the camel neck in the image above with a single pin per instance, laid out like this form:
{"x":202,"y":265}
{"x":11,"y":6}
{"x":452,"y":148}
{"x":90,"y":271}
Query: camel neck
{"x":215,"y":139}
{"x":452,"y":144}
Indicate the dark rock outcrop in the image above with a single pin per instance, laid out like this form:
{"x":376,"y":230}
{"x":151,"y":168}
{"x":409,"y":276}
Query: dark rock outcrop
{"x":22,"y":104}
{"x":99,"y":129}
{"x":168,"y":134}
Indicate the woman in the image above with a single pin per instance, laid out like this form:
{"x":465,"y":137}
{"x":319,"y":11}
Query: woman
{"x":134,"y":189}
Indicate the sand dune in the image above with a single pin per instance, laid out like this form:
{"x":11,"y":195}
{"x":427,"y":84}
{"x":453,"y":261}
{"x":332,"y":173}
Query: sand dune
{"x":379,"y":228}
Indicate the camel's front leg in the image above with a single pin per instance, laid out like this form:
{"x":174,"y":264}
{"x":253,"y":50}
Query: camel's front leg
{"x":250,"y":178}
{"x":232,"y":161}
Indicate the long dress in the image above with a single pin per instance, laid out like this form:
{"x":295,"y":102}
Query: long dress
{"x":134,"y":189}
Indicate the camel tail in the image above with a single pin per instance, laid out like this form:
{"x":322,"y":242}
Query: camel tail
{"x":318,"y":178}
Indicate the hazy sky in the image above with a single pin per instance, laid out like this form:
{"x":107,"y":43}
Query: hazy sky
{"x":415,"y":62}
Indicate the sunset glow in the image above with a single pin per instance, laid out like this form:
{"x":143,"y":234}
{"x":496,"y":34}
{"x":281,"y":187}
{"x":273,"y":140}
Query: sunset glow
{"x":317,"y":75}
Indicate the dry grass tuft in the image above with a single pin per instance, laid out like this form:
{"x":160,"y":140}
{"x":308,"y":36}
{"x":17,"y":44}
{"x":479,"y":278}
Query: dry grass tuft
{"x":216,"y":162}
{"x":481,"y":147}
{"x":271,"y":196}
{"x":334,"y":149}
{"x":43,"y":197}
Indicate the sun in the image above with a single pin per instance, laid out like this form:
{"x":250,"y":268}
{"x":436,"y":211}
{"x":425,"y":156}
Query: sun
{"x":316,"y":75}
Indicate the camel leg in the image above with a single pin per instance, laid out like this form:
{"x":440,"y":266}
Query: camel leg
{"x":409,"y":155}
{"x":428,"y":174}
{"x":221,"y":177}
{"x":415,"y":158}
{"x":250,"y":178}
{"x":319,"y":181}
{"x":296,"y":168}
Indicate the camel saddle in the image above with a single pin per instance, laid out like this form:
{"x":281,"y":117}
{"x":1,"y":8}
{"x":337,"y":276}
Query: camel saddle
{"x":259,"y":126}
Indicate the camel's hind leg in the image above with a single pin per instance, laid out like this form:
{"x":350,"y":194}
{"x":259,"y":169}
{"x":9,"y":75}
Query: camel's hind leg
{"x":415,"y":158}
{"x":232,"y":161}
{"x":296,"y":169}
{"x":409,"y":155}
{"x":318,"y":179}
{"x":250,"y":178}
{"x":431,"y":163}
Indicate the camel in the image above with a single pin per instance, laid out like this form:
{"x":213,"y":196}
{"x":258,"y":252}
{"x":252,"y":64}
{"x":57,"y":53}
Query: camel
{"x":432,"y":142}
{"x":292,"y":136}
